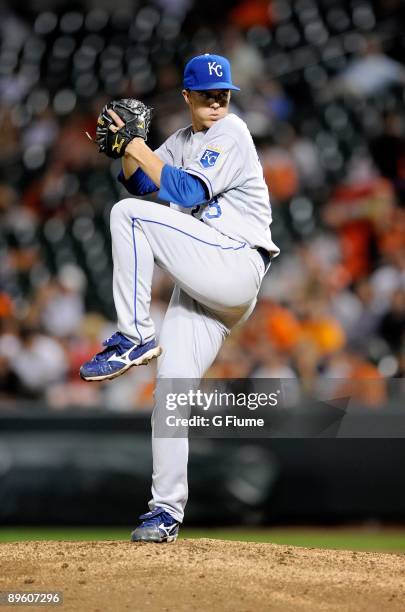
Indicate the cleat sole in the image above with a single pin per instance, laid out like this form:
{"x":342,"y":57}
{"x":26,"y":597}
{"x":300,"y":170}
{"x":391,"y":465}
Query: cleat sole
{"x":168,"y":540}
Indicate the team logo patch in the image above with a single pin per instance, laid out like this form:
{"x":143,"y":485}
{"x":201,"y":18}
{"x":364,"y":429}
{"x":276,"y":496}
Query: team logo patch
{"x":209,"y":158}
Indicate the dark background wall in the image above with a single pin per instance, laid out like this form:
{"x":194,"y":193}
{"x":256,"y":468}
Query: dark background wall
{"x":80,"y":469}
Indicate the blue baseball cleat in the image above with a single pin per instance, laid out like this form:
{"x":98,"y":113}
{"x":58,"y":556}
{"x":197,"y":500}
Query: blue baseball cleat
{"x":119,"y":355}
{"x":156,"y":526}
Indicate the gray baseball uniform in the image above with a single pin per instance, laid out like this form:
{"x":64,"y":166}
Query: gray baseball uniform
{"x":210,"y":253}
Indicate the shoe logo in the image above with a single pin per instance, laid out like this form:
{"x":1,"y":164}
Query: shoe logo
{"x":122,"y":358}
{"x":136,"y":351}
{"x":168,"y":529}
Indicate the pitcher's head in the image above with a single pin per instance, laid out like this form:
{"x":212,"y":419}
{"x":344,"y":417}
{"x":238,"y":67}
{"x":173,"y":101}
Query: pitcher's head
{"x":207,"y":89}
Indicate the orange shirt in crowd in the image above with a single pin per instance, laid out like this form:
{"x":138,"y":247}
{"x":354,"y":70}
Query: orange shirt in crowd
{"x":281,"y":178}
{"x":365,"y":385}
{"x":6,"y":306}
{"x":325,"y":333}
{"x":282,"y":328}
{"x":357,"y":212}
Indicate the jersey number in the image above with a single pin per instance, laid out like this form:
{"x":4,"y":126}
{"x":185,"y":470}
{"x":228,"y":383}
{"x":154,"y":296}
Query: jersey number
{"x":214,"y":211}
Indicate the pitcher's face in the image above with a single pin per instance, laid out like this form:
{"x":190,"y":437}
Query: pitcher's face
{"x":207,"y":106}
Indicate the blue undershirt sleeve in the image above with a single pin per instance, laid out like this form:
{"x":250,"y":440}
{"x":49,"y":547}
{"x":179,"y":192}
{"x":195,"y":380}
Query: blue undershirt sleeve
{"x":179,"y":187}
{"x":138,"y":183}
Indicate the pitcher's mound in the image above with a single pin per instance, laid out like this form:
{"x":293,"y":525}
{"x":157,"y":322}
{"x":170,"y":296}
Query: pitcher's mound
{"x":209,"y":575}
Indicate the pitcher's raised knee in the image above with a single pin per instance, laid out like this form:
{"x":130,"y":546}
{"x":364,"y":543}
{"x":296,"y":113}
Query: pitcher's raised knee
{"x":127,"y":209}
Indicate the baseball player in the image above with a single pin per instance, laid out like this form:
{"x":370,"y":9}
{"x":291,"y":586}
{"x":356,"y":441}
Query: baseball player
{"x":214,"y":241}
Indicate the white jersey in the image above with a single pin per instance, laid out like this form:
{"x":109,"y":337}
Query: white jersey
{"x":224,"y":157}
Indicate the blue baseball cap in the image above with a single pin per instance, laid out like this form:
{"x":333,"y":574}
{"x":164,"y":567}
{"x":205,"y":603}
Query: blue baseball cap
{"x":208,"y":72}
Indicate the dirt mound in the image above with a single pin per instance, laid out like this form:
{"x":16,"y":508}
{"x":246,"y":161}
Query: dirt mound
{"x":203,"y":575}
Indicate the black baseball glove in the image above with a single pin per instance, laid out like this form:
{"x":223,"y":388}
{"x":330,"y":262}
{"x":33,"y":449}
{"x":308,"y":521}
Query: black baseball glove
{"x":136,"y":117}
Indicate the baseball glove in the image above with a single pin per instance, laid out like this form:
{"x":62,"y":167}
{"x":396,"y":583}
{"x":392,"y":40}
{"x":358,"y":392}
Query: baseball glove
{"x":136,"y":116}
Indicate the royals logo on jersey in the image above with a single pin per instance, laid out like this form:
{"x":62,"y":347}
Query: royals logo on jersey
{"x":209,"y":158}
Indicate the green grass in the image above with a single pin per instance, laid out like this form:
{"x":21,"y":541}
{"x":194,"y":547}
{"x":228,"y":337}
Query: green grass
{"x":353,"y":538}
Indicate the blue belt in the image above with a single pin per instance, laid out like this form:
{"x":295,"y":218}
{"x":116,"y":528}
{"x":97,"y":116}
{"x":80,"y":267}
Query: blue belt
{"x":264,"y":255}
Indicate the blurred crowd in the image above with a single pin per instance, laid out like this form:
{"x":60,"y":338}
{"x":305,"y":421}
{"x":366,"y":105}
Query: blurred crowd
{"x":322,"y":92}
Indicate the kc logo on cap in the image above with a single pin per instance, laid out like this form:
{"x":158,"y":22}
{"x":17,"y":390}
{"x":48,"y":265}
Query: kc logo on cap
{"x":208,"y":72}
{"x":214,"y":67}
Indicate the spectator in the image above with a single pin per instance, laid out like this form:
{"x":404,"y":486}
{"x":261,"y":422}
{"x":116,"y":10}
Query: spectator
{"x":59,"y":304}
{"x":370,"y":74}
{"x":40,"y":361}
{"x":369,"y":314}
{"x":247,"y":63}
{"x":356,"y":378}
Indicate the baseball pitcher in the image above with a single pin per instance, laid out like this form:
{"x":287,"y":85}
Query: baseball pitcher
{"x":214,"y":241}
